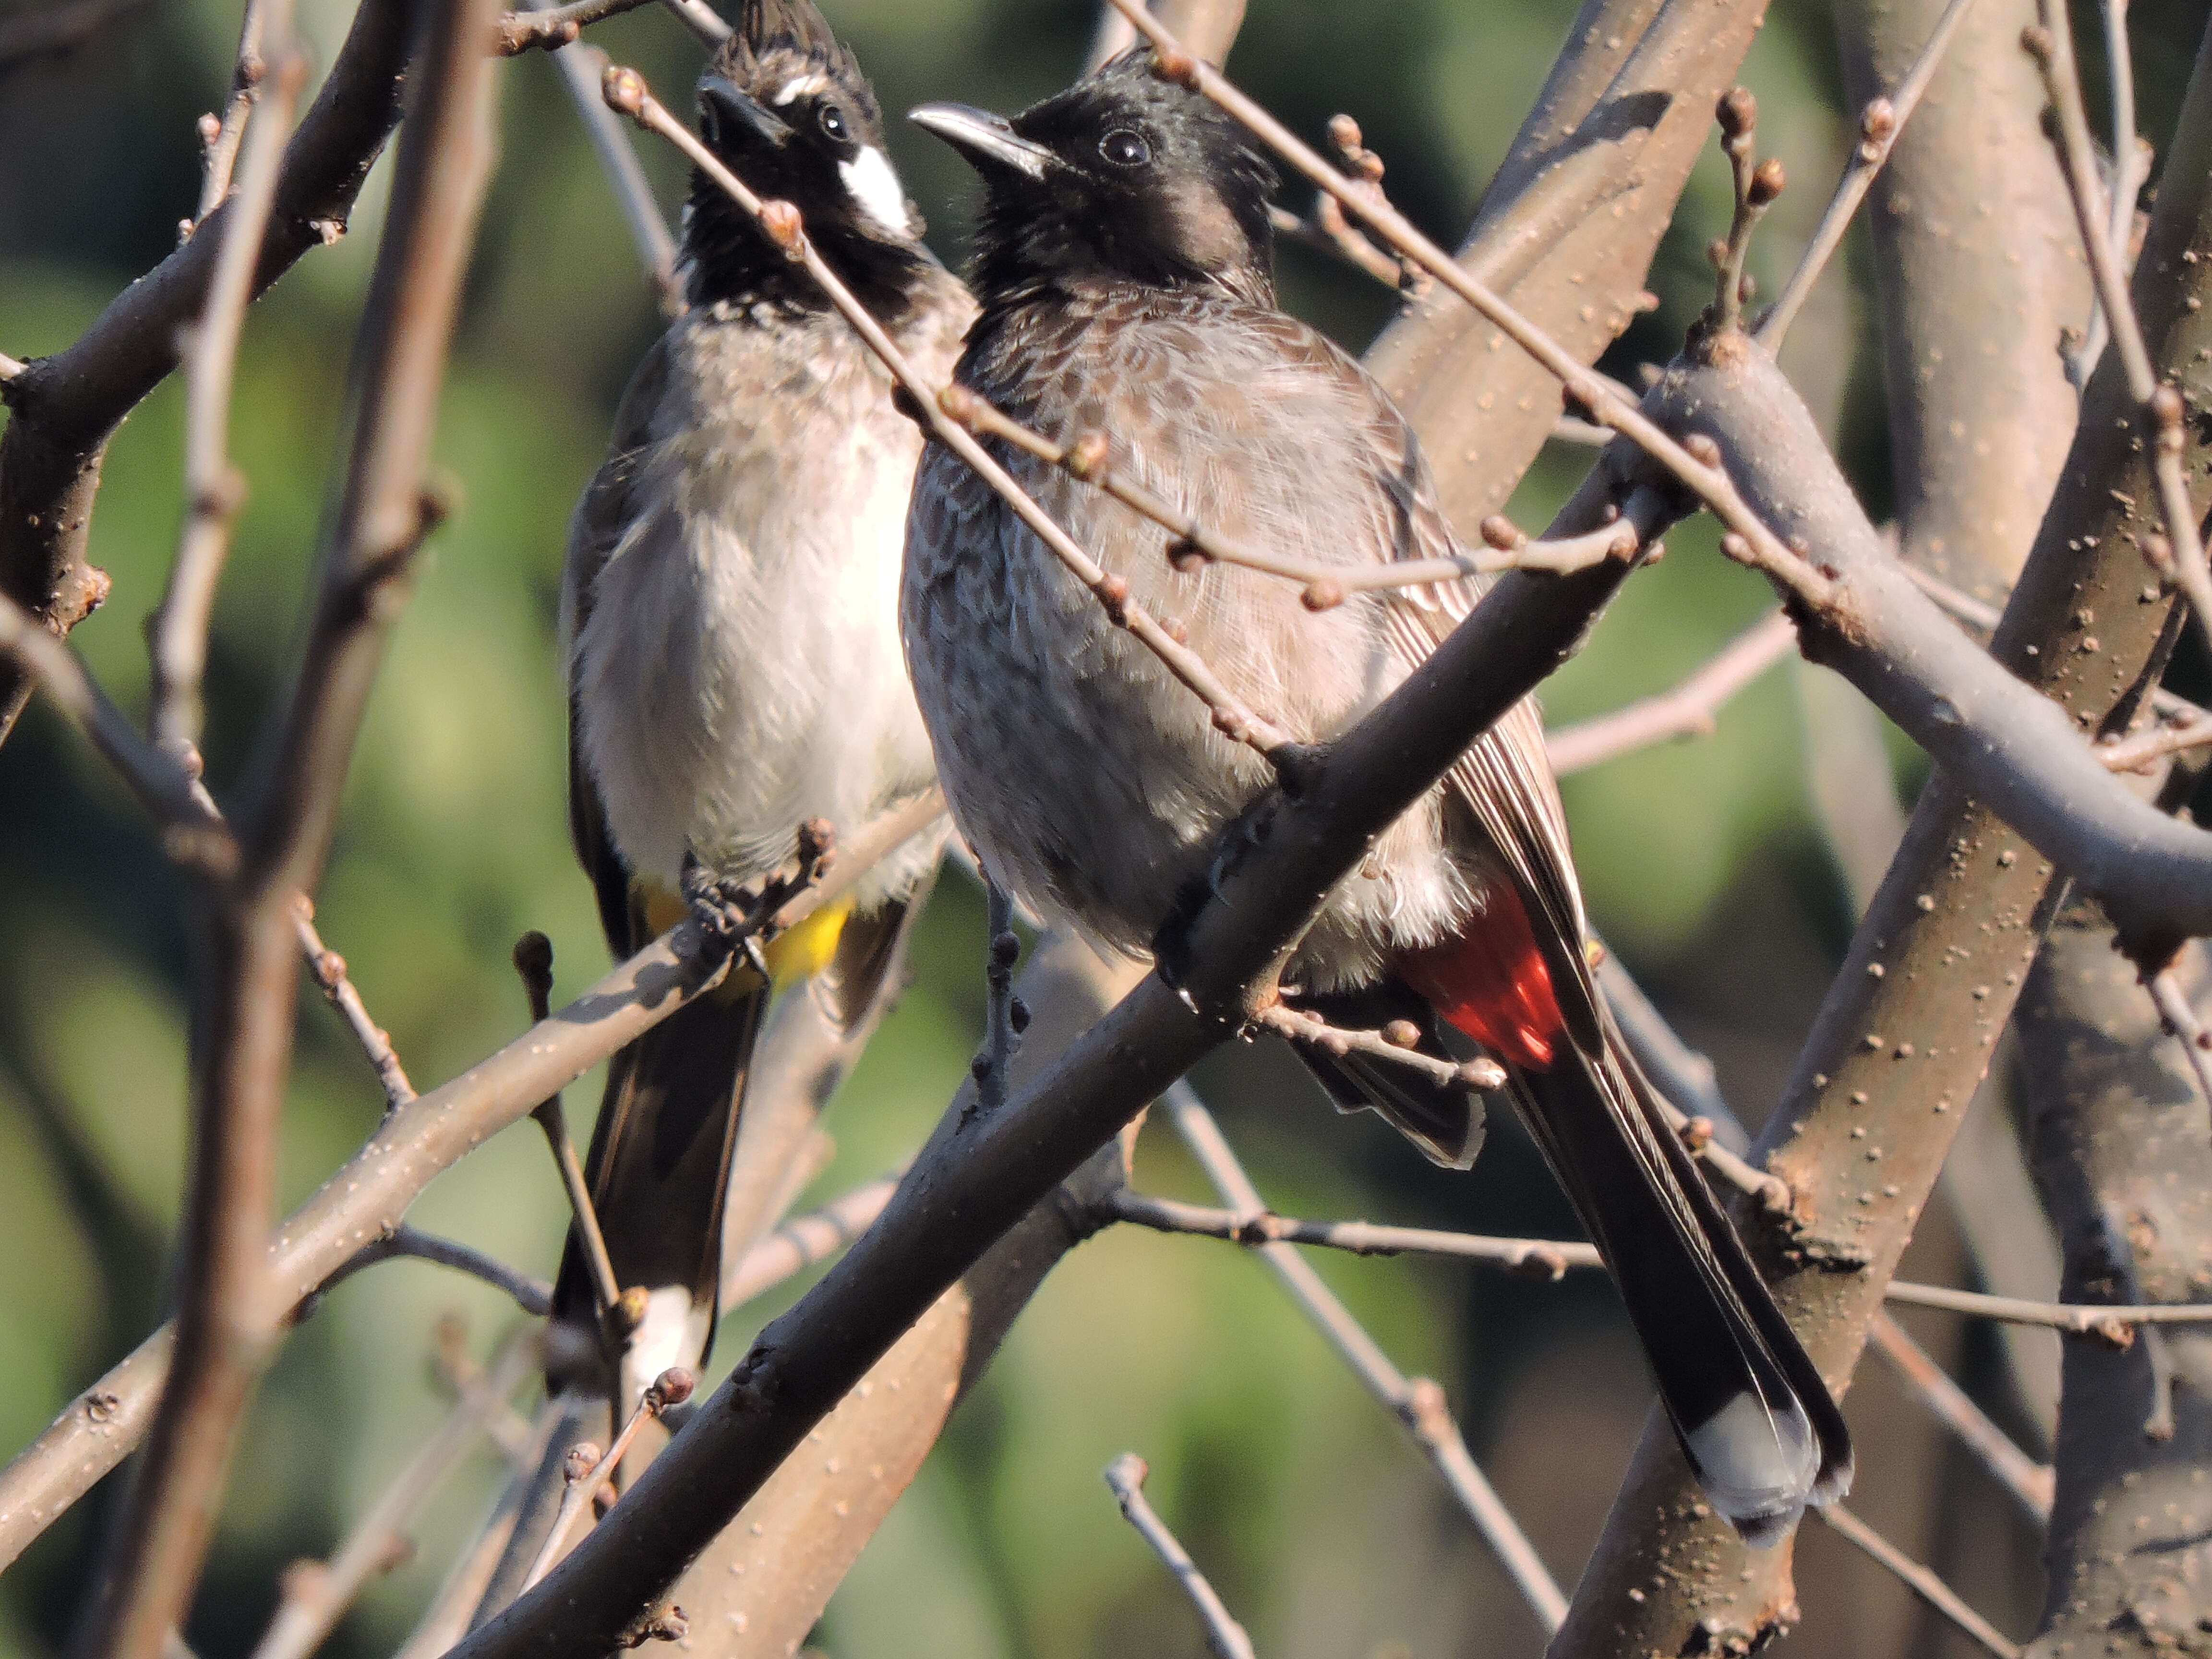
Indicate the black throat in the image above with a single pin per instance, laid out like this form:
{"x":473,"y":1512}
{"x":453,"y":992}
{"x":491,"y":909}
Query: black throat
{"x":728,"y":259}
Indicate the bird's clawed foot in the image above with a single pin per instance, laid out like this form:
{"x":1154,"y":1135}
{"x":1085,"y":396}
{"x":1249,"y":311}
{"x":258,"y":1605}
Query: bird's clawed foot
{"x":741,"y":915}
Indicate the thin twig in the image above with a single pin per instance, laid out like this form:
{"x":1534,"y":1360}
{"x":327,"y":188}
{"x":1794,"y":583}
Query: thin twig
{"x":2180,"y":1016}
{"x":533,"y":961}
{"x":588,"y":1467}
{"x":1328,"y":231}
{"x":1879,"y":123}
{"x":1685,"y":711}
{"x":1538,"y":1258}
{"x":804,"y":1240}
{"x":1090,"y":457}
{"x":1918,"y":1579}
{"x":625,"y":90}
{"x":329,"y":970}
{"x":2029,"y":1482}
{"x":1695,"y":464}
{"x":1257,"y":1226}
{"x":2112,"y":1322}
{"x":2130,"y":167}
{"x":1418,"y":1403}
{"x":1296,"y":1025}
{"x":1756,"y":183}
{"x":549,"y":26}
{"x":177,"y":632}
{"x":317,"y":1594}
{"x":2051,"y":43}
{"x":533,"y":1296}
{"x":221,"y":138}
{"x":192,"y":832}
{"x":705,"y":23}
{"x":1224,"y":1637}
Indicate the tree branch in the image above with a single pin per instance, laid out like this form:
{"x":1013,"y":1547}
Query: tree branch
{"x":228,"y":1321}
{"x":369,"y":1194}
{"x":1224,"y":1637}
{"x":64,"y":408}
{"x":1895,"y":1054}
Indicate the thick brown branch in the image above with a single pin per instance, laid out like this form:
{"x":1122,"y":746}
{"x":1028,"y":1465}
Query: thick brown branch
{"x":227,"y":1318}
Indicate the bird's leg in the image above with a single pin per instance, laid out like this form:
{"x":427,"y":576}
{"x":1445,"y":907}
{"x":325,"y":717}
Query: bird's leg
{"x":726,"y":911}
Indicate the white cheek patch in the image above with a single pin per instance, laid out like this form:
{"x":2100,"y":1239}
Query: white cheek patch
{"x":870,"y":182}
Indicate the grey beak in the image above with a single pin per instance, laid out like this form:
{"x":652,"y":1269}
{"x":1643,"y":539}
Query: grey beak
{"x":727,"y":113}
{"x":987,"y":140}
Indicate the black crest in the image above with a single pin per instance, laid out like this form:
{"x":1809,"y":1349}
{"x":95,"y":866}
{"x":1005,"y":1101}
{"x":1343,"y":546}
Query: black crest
{"x":1123,"y":177}
{"x":785,"y":106}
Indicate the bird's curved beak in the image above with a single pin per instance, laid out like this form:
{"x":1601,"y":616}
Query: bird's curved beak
{"x":988,"y":140}
{"x":726,"y":112}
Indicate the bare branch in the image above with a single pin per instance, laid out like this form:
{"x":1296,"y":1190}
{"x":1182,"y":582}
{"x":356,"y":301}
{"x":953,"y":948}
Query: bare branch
{"x":64,"y":408}
{"x":192,"y":832}
{"x":317,"y":1594}
{"x":227,"y":1319}
{"x":1224,"y":1637}
{"x":1879,"y":122}
{"x":214,"y":490}
{"x":2051,"y":43}
{"x":370,"y":1194}
{"x":1296,"y":1026}
{"x":548,"y":27}
{"x":2028,"y":1481}
{"x":1685,"y":711}
{"x":2172,"y":1005}
{"x":328,"y":969}
{"x":589,"y":1468}
{"x":803,"y":1240}
{"x":1923,"y":1583}
{"x":533,"y":1296}
{"x":1417,"y":1402}
{"x":533,"y":961}
{"x":1538,"y":1258}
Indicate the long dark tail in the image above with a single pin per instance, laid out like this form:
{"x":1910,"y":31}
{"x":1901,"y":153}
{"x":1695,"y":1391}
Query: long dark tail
{"x":657,"y":1173}
{"x":1757,"y":1424}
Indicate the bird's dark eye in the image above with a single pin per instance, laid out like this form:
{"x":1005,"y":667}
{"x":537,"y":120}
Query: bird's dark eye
{"x":831,"y":120}
{"x":1125,"y":148}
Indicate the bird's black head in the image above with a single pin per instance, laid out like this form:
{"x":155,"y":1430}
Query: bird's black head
{"x":1124,"y":177}
{"x":785,"y":106}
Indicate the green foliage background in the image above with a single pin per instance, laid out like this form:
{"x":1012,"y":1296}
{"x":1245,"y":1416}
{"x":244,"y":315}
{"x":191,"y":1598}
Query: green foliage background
{"x":1297,"y":1494}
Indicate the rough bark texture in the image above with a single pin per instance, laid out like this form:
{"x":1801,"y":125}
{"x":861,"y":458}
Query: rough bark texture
{"x":1904,"y":1036}
{"x":2124,"y":1159}
{"x":1977,"y":267}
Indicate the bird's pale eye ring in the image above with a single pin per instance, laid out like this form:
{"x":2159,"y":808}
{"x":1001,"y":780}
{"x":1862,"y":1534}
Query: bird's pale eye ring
{"x":1125,"y":148}
{"x":831,"y":120}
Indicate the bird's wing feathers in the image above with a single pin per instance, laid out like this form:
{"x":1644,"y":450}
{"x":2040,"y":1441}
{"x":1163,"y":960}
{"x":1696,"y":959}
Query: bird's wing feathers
{"x":602,"y":516}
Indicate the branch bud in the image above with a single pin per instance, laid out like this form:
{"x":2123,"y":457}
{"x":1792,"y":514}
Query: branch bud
{"x":784,"y":227}
{"x":1767,"y":182}
{"x":623,"y":89}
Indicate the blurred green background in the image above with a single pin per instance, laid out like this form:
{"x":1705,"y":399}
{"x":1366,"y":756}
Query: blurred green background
{"x":1301,"y":1496}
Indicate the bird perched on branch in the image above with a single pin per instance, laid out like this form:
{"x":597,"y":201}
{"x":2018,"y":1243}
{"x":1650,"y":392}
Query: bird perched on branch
{"x":1123,"y":260}
{"x":729,"y":613}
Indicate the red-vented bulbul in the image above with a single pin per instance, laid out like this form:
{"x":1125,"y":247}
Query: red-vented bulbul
{"x":1124,"y":264}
